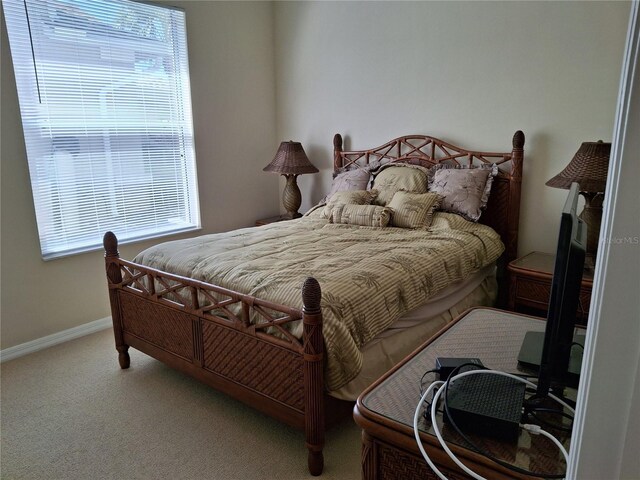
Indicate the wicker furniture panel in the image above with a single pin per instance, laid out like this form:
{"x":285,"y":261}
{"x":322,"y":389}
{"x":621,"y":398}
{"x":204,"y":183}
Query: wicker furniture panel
{"x":162,"y":326}
{"x":531,"y":276}
{"x":493,"y":216}
{"x":271,"y":370}
{"x":394,"y":463}
{"x":534,"y":292}
{"x":584,"y":303}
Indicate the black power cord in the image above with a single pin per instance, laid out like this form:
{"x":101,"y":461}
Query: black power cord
{"x":434,"y":370}
{"x":427,"y":410}
{"x":562,"y":428}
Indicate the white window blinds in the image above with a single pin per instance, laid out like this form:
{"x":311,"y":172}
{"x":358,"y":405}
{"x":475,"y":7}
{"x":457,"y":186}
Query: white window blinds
{"x":104,"y":96}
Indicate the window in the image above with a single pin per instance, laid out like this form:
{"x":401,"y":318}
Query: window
{"x":104,"y":97}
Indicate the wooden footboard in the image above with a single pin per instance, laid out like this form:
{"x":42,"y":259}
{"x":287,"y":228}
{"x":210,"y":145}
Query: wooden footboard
{"x":205,"y":331}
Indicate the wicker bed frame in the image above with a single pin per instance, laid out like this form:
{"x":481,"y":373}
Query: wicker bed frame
{"x":163,"y":315}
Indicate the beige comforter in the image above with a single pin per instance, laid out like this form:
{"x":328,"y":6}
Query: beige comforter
{"x":369,"y":276}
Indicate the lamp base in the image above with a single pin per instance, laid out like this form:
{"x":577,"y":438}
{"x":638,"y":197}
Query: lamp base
{"x":592,"y":217}
{"x":291,"y":197}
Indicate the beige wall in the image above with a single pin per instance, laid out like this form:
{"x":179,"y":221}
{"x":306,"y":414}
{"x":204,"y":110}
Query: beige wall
{"x":231,"y":60}
{"x":471,"y":73}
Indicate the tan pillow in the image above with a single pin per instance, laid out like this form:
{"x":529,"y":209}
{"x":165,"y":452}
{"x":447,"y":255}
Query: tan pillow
{"x":413,"y":210}
{"x":392,"y":178}
{"x":351,"y":197}
{"x":363,"y":215}
{"x":464,"y":191}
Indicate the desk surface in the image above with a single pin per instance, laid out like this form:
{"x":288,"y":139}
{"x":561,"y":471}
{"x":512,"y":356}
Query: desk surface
{"x":495,"y":337}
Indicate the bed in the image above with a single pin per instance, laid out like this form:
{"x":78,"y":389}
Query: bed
{"x":278,"y":352}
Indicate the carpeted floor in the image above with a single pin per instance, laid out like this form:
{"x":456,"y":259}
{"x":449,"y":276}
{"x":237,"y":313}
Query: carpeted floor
{"x":70,"y":412}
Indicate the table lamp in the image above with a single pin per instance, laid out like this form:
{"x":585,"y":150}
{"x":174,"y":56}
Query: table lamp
{"x":589,"y":168}
{"x":291,"y":161}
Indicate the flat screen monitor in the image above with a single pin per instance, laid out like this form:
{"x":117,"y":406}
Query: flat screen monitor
{"x":558,"y":343}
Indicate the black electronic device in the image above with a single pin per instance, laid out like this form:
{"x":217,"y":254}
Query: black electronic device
{"x":446,"y":365}
{"x":486,"y":404}
{"x":557,"y":342}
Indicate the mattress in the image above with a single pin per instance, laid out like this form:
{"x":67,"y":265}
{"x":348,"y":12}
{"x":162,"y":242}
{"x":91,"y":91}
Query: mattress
{"x":415,"y":327}
{"x":369,"y":276}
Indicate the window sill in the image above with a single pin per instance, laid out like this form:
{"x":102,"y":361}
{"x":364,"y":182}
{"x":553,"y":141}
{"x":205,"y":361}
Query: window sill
{"x":96,"y":247}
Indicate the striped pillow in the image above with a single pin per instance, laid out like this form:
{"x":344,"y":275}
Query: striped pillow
{"x":394,"y":177}
{"x":413,"y":210}
{"x":362,"y":215}
{"x":350,"y":197}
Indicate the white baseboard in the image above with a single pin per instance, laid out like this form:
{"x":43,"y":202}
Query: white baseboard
{"x":54,"y":339}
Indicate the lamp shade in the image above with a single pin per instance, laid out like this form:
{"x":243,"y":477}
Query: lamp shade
{"x":290,"y":159}
{"x":588,"y":167}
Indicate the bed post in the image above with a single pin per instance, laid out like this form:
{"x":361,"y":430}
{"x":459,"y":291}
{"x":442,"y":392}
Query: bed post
{"x":114,"y":277}
{"x":515,"y":186}
{"x":337,"y":149}
{"x":313,"y":375}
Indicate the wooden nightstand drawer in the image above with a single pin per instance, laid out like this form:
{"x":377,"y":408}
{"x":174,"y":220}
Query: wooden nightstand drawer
{"x":267,"y":221}
{"x":530,"y":285}
{"x":583,"y":306}
{"x":532,"y":293}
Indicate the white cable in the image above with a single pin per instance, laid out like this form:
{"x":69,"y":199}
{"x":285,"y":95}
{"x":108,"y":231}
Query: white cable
{"x":487,"y":372}
{"x":436,"y":429}
{"x":416,"y":432}
{"x":532,"y":428}
{"x":536,"y":429}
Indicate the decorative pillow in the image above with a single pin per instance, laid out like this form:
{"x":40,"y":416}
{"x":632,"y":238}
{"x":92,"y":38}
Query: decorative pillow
{"x":363,"y":215}
{"x":413,"y":210}
{"x":464,"y":191}
{"x":352,"y":197}
{"x":394,"y":177}
{"x":349,"y":180}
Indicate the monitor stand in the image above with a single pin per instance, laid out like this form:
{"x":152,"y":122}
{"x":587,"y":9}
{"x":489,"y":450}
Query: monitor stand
{"x":531,"y":353}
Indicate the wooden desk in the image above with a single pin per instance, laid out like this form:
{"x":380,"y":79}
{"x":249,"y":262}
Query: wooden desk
{"x":530,"y":285}
{"x":385,"y":410}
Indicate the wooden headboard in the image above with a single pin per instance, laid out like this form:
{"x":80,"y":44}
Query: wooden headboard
{"x":503,"y":209}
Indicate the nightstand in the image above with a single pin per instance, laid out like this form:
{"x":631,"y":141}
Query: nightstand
{"x":267,"y":221}
{"x":385,"y":409}
{"x":530,"y":285}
